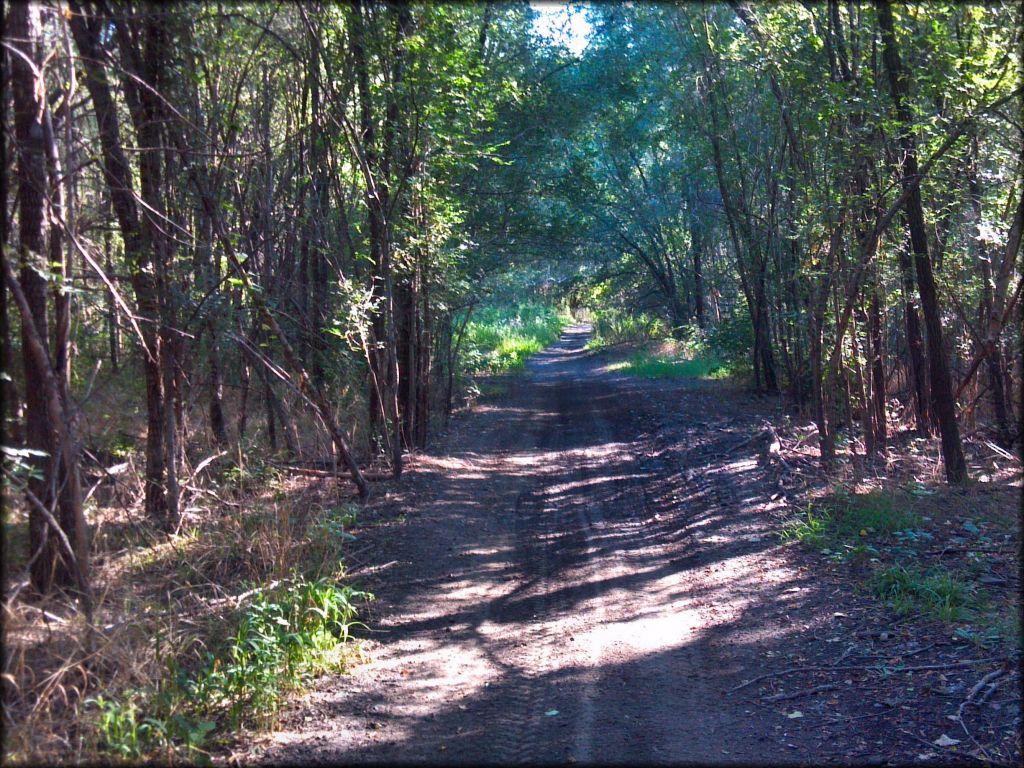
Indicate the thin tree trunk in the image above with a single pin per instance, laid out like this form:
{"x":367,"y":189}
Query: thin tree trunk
{"x":697,"y":251}
{"x":113,"y":328}
{"x":940,"y":380}
{"x":65,"y":546}
{"x":87,"y":31}
{"x":877,"y":366}
{"x":915,"y":342}
{"x":47,"y":422}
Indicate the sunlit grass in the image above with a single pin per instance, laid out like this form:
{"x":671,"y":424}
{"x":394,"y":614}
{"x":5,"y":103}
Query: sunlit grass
{"x":651,"y":366}
{"x":612,"y":326}
{"x":502,"y":338}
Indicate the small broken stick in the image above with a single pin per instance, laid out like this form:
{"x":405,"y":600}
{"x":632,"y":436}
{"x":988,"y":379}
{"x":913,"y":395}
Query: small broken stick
{"x":987,"y":680}
{"x":798,"y":694}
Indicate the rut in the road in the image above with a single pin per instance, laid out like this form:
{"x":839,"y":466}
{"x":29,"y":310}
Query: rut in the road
{"x":573,"y":591}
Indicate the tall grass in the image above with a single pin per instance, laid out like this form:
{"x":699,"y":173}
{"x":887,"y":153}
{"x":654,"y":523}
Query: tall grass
{"x":614,"y":326}
{"x":501,"y":338}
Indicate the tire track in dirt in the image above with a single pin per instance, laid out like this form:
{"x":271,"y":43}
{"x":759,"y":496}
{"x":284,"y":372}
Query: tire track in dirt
{"x":560,"y":594}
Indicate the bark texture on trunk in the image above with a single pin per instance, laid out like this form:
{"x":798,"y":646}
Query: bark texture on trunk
{"x":938,"y":367}
{"x":57,"y":530}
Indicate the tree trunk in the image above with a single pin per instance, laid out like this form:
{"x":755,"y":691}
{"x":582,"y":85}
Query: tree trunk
{"x":697,"y":252}
{"x":940,"y":380}
{"x":60,"y":552}
{"x":877,"y":367}
{"x":88,"y":31}
{"x":915,"y":342}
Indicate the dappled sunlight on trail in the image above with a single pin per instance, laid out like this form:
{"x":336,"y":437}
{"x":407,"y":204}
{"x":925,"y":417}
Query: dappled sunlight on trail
{"x":570,"y":588}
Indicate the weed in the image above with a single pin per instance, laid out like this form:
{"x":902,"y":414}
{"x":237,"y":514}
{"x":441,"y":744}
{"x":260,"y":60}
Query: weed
{"x":983,"y":638}
{"x":875,"y":512}
{"x":937,"y":592}
{"x":125,"y":734}
{"x":812,"y":529}
{"x":300,"y":628}
{"x":118,"y":727}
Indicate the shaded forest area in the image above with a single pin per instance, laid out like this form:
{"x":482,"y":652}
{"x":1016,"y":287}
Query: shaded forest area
{"x":254,"y":255}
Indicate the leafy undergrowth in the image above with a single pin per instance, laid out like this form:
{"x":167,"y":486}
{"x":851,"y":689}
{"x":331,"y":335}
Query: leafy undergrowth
{"x":288,"y":634}
{"x":501,"y":338}
{"x":922,"y":556}
{"x":196,"y":636}
{"x":613,"y":326}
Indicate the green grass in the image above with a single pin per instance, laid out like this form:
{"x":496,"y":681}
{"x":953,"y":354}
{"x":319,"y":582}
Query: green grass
{"x":848,"y":526}
{"x":935,"y":592}
{"x":501,"y":338}
{"x":651,"y":366}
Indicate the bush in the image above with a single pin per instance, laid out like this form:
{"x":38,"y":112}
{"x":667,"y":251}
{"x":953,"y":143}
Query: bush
{"x":614,"y":326}
{"x":733,"y":337}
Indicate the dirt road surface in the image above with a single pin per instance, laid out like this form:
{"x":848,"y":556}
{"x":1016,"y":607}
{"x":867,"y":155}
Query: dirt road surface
{"x":584,"y":572}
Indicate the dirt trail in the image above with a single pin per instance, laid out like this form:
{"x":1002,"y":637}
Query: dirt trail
{"x":583,"y":576}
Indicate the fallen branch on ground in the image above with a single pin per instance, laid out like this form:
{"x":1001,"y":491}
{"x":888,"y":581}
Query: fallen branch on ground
{"x":976,"y":689}
{"x":954,"y":550}
{"x":309,"y":472}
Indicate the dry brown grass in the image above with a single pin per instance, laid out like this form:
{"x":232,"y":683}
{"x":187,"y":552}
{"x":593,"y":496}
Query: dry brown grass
{"x":157,"y":596}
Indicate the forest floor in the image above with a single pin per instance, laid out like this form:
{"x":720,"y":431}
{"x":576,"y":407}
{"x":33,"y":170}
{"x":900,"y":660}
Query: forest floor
{"x":587,"y":568}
